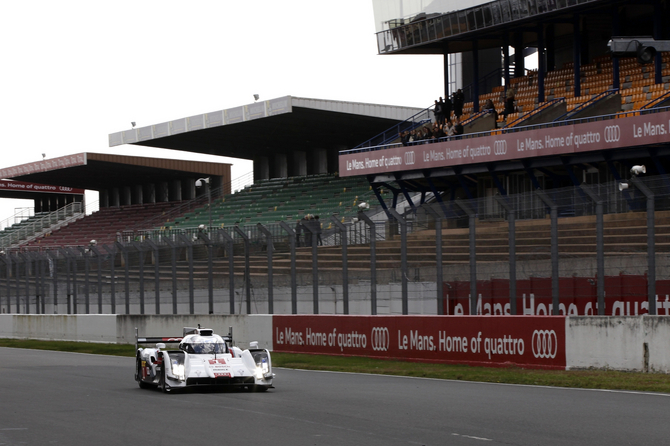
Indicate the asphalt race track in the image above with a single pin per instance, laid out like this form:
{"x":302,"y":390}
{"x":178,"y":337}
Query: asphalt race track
{"x":53,"y":398}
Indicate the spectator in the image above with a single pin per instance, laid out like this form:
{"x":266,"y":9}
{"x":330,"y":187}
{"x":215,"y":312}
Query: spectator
{"x":404,"y":138}
{"x":509,"y":102}
{"x":458,"y":99}
{"x":491,"y":109}
{"x":449,"y":128}
{"x":458,"y":127}
{"x":307,"y":221}
{"x":437,"y":131}
{"x":298,"y":232}
{"x":317,"y":226}
{"x":446,"y":109}
{"x":439,"y":111}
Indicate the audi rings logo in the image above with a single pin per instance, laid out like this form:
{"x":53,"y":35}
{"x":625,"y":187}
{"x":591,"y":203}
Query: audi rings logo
{"x":500,"y":147}
{"x":612,"y":133}
{"x":409,"y":158}
{"x":380,"y":339}
{"x":545,"y":344}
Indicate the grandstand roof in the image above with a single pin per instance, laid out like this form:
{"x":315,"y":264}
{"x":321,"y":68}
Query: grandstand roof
{"x":96,"y":171}
{"x":285,"y":124}
{"x":489,"y":23}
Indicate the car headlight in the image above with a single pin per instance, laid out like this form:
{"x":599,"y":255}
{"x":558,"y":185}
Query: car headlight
{"x":178,"y":370}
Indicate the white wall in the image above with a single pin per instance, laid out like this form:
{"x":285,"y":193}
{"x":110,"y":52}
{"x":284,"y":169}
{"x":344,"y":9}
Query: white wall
{"x":618,"y":343}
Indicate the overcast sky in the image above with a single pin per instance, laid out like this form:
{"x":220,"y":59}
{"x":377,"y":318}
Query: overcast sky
{"x":75,"y":71}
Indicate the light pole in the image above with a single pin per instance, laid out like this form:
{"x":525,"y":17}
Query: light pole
{"x":199,"y":183}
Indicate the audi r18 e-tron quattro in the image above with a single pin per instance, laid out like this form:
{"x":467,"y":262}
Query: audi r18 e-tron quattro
{"x":203,"y":359}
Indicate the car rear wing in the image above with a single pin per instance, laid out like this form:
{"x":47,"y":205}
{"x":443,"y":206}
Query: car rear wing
{"x":177,"y":339}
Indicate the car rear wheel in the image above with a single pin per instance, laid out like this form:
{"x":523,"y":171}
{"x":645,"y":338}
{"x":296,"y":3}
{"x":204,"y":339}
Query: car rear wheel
{"x":161,"y":382}
{"x":138,"y":375}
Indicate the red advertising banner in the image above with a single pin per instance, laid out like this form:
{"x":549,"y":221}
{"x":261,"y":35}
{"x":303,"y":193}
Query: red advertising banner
{"x":625,"y":295}
{"x":572,"y":138}
{"x":38,"y":188}
{"x":537,"y":342}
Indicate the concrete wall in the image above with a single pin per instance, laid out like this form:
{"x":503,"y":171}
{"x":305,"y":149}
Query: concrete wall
{"x":120,"y":329}
{"x":635,"y":343}
{"x":630,"y":343}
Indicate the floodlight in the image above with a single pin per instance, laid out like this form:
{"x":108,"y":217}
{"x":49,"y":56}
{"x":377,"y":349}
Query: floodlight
{"x":199,"y":182}
{"x":637,"y":170}
{"x":256,"y":97}
{"x":133,"y":124}
{"x":623,"y":186}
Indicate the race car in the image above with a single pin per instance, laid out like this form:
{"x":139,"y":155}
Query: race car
{"x":203,"y":359}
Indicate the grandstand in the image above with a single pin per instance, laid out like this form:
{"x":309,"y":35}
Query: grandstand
{"x":581,"y":120}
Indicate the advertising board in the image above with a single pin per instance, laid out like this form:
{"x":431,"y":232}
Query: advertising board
{"x":527,"y":341}
{"x":572,"y":138}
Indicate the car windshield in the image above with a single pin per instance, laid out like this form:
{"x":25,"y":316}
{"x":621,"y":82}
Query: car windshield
{"x":206,"y":348}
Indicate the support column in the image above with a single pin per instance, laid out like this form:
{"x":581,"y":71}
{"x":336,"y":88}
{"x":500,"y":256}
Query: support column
{"x":299,"y":165}
{"x":280,"y":166}
{"x":261,"y":168}
{"x":138,"y":197}
{"x":577,"y":54}
{"x":319,"y":161}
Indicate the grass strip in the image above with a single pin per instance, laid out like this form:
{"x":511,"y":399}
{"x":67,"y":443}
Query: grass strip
{"x":583,"y":379}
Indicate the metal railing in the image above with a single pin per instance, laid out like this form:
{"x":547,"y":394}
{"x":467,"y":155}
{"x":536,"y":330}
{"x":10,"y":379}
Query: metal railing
{"x":491,"y":255}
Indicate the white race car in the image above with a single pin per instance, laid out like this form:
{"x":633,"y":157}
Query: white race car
{"x":203,"y":359}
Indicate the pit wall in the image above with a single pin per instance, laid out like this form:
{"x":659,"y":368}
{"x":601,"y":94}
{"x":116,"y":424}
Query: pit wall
{"x":630,"y":343}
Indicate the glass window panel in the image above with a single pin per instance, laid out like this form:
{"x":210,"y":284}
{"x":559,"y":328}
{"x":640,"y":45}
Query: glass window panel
{"x":488,"y":19}
{"x":514,"y":6}
{"x":471,"y":22}
{"x":479,"y":17}
{"x":462,"y":22}
{"x":505,"y":10}
{"x":446,"y":25}
{"x":430,"y":27}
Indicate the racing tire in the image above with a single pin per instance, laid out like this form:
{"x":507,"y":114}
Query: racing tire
{"x":138,"y":375}
{"x":161,"y":383}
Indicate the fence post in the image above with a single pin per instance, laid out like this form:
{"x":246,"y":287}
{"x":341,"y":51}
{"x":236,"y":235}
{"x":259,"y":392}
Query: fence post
{"x":247,"y":268}
{"x":294,"y":288}
{"x":651,"y":241}
{"x":68,"y":295}
{"x":125,"y":256}
{"x":3,"y":259}
{"x":231,"y":267}
{"x":306,"y":225}
{"x":269,"y":250}
{"x":403,"y":258}
{"x":98,"y":255}
{"x":210,"y":271}
{"x":140,"y":251}
{"x":26,"y":267}
{"x":373,"y":261}
{"x":84,"y":253}
{"x":8,"y":262}
{"x":112,"y":274}
{"x":173,"y":264}
{"x":439,"y":280}
{"x":554,"y":249}
{"x":472,"y":223}
{"x":345,"y":265}
{"x":157,"y":297}
{"x":191,"y":291}
{"x":53,"y":272}
{"x":600,"y":246}
{"x":511,"y":225}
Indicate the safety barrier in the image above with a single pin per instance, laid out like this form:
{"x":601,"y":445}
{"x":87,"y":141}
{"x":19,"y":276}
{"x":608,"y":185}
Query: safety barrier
{"x":630,"y":343}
